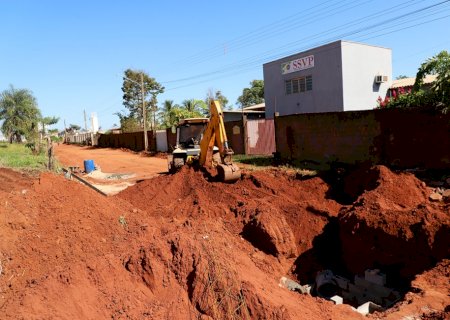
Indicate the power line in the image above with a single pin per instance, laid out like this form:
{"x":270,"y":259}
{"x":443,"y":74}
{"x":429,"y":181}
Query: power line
{"x":302,"y":40}
{"x":282,"y":26}
{"x":251,"y":67}
{"x":251,"y":61}
{"x":217,"y":49}
{"x":272,"y":31}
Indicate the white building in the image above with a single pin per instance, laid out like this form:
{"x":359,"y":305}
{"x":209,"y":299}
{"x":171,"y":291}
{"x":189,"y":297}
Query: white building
{"x":339,"y":76}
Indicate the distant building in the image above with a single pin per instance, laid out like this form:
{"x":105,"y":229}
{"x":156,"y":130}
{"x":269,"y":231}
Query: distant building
{"x":339,"y":76}
{"x":406,"y":84}
{"x":116,"y":130}
{"x":256,"y":111}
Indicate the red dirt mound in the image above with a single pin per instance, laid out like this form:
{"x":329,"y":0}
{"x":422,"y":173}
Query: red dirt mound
{"x":67,"y":252}
{"x":407,"y":233}
{"x":278,"y":209}
{"x":183,"y":247}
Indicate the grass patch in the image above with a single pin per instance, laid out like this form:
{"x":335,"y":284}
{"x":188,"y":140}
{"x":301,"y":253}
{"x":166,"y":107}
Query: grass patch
{"x":301,"y":169}
{"x":20,"y":157}
{"x":258,"y":161}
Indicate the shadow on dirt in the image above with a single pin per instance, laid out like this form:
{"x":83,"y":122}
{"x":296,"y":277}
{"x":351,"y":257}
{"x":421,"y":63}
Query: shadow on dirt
{"x":348,"y":182}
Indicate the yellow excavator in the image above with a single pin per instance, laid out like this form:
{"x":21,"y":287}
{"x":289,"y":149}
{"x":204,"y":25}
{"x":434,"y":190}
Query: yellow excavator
{"x":198,"y":136}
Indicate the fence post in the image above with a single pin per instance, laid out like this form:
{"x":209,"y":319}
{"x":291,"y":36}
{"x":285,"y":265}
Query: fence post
{"x":244,"y":124}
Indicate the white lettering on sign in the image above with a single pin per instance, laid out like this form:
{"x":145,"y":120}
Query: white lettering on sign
{"x":297,"y":64}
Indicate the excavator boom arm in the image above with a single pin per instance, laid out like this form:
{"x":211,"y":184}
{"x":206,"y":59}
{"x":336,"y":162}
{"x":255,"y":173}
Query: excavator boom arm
{"x":215,"y":133}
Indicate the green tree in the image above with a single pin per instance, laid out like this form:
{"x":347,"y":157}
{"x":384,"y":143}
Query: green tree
{"x":180,"y":113}
{"x":132,"y":94}
{"x":195,"y":106}
{"x":128,"y":123}
{"x":252,"y":95}
{"x":48,"y":121}
{"x":20,"y":115}
{"x":167,"y":114}
{"x":440,"y":89}
{"x":74,"y":127}
{"x":435,"y":98}
{"x":219,"y":97}
{"x":402,"y":76}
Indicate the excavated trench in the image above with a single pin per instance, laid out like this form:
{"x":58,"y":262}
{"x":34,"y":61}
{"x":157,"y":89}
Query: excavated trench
{"x":393,"y":231}
{"x":373,"y":229}
{"x":385,"y":234}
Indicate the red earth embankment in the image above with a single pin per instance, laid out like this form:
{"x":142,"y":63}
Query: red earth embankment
{"x":183,"y":247}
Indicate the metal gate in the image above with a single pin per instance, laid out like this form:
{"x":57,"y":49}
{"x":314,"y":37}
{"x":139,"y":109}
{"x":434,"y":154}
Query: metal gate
{"x":260,"y":137}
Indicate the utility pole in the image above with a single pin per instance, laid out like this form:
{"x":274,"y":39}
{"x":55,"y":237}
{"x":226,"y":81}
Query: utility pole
{"x":144,"y":113}
{"x":85,"y":121}
{"x":65,"y":131}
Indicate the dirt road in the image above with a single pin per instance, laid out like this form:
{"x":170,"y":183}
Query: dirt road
{"x":117,"y":169}
{"x":111,"y":160}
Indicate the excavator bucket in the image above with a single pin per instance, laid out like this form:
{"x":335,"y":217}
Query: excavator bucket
{"x":228,"y":172}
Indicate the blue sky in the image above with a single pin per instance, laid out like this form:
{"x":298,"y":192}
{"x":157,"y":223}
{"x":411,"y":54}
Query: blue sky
{"x":72,"y":54}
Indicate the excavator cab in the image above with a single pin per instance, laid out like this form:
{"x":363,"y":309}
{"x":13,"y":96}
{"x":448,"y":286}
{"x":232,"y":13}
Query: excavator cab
{"x":187,"y":149}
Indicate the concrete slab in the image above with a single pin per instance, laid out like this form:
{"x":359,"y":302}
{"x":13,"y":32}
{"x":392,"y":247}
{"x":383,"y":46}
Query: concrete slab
{"x":368,"y":307}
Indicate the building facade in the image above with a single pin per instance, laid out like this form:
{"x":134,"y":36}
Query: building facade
{"x":339,"y":76}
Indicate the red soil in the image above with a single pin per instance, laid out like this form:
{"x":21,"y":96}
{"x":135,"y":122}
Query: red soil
{"x":183,"y":247}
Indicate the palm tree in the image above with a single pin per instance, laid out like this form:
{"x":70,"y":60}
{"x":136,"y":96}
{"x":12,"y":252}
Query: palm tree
{"x":190,"y":104}
{"x":167,"y":114}
{"x":196,"y":108}
{"x":20,"y":115}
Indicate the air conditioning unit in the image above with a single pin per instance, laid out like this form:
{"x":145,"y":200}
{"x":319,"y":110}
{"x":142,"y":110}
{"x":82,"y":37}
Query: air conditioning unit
{"x":381,"y":79}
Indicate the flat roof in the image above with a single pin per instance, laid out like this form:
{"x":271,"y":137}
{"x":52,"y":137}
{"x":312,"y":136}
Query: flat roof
{"x":255,"y":106}
{"x":194,"y":120}
{"x":307,"y":51}
{"x":244,"y":111}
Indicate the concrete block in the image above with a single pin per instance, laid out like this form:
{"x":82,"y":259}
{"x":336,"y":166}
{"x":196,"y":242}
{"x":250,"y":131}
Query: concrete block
{"x":341,"y":282}
{"x":307,"y":288}
{"x":375,"y":276}
{"x":368,"y":307}
{"x":372,"y":288}
{"x":355,"y":292}
{"x":337,"y":299}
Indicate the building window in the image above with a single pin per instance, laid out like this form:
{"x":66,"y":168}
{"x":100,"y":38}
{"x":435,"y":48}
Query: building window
{"x":302,"y":84}
{"x":309,"y":83}
{"x":297,"y":85}
{"x":294,"y":85}
{"x":288,"y":87}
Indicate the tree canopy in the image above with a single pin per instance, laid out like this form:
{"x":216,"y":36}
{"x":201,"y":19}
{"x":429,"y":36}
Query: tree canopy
{"x":440,"y":89}
{"x":20,"y":115}
{"x":171,"y":113}
{"x":217,"y":95}
{"x":253,"y":95}
{"x":128,"y":123}
{"x":168,"y":115}
{"x":132,"y":94}
{"x":436,"y":97}
{"x":74,"y":127}
{"x":48,"y":121}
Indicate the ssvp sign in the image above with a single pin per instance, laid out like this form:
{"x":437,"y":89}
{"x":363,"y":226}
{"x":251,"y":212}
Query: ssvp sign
{"x":297,"y":64}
